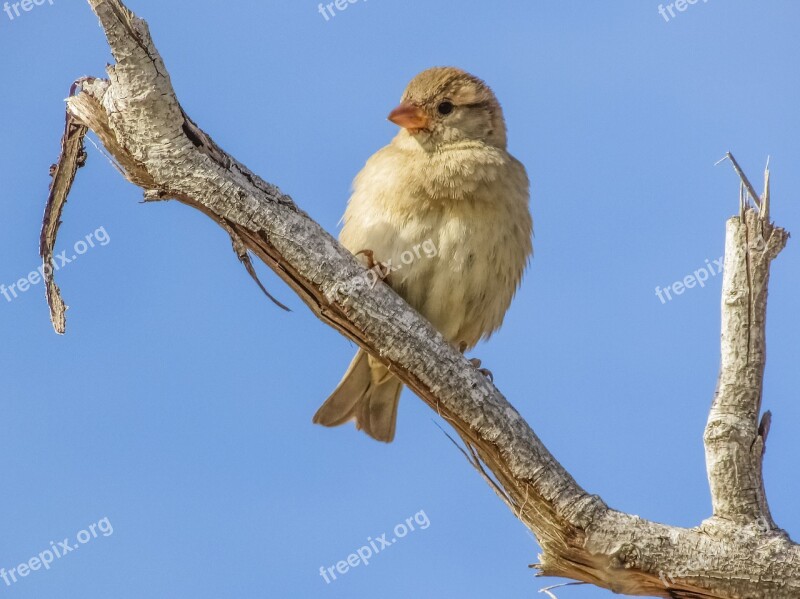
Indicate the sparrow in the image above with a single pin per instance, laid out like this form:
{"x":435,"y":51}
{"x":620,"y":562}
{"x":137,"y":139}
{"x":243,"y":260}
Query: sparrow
{"x":446,"y":180}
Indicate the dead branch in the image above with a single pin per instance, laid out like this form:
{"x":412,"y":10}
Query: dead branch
{"x":737,"y":554}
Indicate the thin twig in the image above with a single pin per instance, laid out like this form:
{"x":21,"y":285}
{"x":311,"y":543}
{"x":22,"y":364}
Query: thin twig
{"x":547,"y":590}
{"x":751,"y":190}
{"x":240,"y":249}
{"x":475,"y":462}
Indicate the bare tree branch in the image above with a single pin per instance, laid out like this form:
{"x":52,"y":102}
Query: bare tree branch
{"x":734,"y":555}
{"x":71,"y":158}
{"x":734,"y":438}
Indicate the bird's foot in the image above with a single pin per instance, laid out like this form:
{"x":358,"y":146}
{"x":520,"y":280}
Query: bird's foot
{"x":377,"y":267}
{"x":484,"y":371}
{"x":370,"y":255}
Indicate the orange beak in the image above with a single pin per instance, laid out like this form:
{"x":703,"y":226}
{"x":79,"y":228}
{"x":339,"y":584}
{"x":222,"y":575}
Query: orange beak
{"x":409,"y":117}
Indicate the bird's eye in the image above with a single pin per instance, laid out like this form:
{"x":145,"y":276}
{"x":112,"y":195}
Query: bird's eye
{"x":445,"y":107}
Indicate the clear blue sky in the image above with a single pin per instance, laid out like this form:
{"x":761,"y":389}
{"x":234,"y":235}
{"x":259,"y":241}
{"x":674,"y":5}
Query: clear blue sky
{"x":179,"y":403}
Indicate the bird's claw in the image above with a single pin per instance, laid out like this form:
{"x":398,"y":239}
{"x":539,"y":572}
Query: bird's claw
{"x":484,"y":371}
{"x":370,"y":255}
{"x":381,"y":270}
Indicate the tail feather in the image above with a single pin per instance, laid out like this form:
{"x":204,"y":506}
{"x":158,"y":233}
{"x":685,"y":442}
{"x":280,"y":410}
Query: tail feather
{"x":368,"y":393}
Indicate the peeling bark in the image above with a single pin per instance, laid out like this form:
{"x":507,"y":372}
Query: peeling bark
{"x":739,"y":553}
{"x":71,"y":158}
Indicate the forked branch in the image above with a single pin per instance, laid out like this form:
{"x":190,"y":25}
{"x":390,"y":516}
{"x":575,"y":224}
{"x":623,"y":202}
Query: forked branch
{"x":139,"y":120}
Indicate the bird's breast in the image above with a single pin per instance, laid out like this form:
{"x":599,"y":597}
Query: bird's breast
{"x":454,"y":231}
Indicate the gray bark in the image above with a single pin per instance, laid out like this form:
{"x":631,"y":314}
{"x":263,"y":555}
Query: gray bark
{"x":738,"y":553}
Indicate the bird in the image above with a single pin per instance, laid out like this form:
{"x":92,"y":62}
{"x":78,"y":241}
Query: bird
{"x":446,"y":180}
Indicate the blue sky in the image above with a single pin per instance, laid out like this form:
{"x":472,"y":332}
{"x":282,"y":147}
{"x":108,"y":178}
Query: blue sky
{"x":178,"y":406}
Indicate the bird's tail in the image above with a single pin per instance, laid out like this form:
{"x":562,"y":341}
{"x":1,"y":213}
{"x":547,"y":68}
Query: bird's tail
{"x":368,"y":393}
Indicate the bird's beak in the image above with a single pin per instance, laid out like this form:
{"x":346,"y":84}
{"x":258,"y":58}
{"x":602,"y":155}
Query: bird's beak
{"x":409,"y":116}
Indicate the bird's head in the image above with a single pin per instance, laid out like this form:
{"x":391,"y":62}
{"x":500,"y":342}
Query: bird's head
{"x":447,"y":105}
